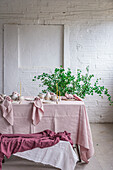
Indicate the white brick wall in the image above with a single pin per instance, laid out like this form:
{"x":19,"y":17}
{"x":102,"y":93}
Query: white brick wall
{"x":90,"y":40}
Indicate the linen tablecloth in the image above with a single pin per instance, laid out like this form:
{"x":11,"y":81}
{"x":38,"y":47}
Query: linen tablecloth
{"x":67,"y":115}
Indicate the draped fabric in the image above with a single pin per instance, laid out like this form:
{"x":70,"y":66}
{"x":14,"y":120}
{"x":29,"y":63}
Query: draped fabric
{"x":12,"y":143}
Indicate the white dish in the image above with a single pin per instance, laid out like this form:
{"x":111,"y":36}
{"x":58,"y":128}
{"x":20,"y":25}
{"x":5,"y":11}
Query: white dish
{"x":48,"y":102}
{"x":15,"y":102}
{"x":29,"y":99}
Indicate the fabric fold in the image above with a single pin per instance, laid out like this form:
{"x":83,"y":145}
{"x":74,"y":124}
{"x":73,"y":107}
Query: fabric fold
{"x":72,"y":96}
{"x":1,"y":99}
{"x":61,"y":156}
{"x":13,"y":143}
{"x":85,"y":137}
{"x":77,"y":98}
{"x":7,"y":110}
{"x":38,"y":111}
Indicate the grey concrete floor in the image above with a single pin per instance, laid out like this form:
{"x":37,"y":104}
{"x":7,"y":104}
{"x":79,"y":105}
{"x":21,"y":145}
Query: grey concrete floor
{"x":102,"y":159}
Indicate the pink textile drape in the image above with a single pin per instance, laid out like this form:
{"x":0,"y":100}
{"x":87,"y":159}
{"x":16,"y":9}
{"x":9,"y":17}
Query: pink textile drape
{"x":66,"y":115}
{"x":74,"y":96}
{"x":84,"y":139}
{"x":7,"y":109}
{"x":38,"y":111}
{"x":12,"y":143}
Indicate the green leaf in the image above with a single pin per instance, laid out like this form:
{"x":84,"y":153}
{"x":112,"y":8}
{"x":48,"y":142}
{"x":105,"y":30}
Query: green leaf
{"x":79,"y":84}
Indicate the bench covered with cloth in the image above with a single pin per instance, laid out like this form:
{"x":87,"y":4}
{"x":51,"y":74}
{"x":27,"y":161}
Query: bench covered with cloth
{"x":13,"y":143}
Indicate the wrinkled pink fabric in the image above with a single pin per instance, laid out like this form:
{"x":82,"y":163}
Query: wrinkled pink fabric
{"x":38,"y":111}
{"x":12,"y":143}
{"x":77,"y":98}
{"x":63,"y":97}
{"x":74,"y":96}
{"x":1,"y":99}
{"x":67,"y":115}
{"x":7,"y":109}
{"x":84,"y":139}
{"x":68,"y":96}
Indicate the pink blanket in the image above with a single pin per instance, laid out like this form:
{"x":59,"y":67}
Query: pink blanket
{"x":12,"y":143}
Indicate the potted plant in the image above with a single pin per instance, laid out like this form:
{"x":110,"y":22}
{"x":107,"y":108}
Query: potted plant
{"x":63,"y":81}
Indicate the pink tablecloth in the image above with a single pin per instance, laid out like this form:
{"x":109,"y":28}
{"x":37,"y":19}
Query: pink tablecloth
{"x":69,"y":116}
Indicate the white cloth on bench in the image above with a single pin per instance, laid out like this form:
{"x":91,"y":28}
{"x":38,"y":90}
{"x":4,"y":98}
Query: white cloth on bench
{"x":61,"y":156}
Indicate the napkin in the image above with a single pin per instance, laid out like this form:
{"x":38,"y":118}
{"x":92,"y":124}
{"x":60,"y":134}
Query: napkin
{"x":1,"y":99}
{"x":69,"y":96}
{"x":74,"y":96}
{"x":7,"y":109}
{"x":38,"y":111}
{"x":77,"y":98}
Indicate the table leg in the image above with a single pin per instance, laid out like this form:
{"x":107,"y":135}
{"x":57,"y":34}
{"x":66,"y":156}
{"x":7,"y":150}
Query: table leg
{"x":3,"y":161}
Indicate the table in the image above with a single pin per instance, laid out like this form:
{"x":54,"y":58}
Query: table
{"x":67,"y":115}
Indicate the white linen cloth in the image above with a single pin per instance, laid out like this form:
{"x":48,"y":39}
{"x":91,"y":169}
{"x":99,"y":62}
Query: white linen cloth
{"x":61,"y":156}
{"x":38,"y":111}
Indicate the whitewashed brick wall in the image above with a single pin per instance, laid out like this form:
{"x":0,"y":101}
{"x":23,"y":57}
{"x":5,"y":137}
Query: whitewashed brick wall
{"x":90,"y":40}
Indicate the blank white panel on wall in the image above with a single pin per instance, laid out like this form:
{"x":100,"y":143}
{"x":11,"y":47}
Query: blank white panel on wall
{"x":11,"y":75}
{"x":31,"y":49}
{"x":40,"y":46}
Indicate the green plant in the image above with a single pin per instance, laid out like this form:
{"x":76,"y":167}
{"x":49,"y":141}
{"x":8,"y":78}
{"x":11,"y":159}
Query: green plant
{"x":64,"y":82}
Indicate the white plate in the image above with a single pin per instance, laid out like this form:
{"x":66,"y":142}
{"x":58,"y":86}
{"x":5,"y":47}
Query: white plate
{"x":15,"y":102}
{"x":48,"y":102}
{"x":29,"y":99}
